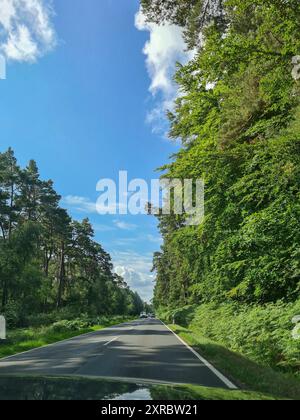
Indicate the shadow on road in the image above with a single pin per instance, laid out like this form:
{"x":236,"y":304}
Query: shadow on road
{"x":145,"y":350}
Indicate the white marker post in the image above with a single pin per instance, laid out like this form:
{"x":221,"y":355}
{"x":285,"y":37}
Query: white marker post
{"x":296,"y":330}
{"x":2,"y":328}
{"x":296,"y":68}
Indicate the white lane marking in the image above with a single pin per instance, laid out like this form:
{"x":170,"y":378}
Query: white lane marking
{"x":226,"y":381}
{"x":111,"y":341}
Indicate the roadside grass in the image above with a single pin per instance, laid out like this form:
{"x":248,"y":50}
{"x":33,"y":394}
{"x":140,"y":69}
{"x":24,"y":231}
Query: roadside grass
{"x":21,"y":340}
{"x":249,"y":376}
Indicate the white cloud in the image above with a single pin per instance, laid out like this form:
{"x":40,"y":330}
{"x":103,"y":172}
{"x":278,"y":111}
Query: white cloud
{"x":103,"y":228}
{"x":164,"y":49}
{"x":124,"y":242}
{"x":80,"y":204}
{"x":134,"y":267}
{"x":86,"y":205}
{"x":138,"y":239}
{"x":124,"y":226}
{"x":26,"y":30}
{"x":136,"y":271}
{"x":155,"y":239}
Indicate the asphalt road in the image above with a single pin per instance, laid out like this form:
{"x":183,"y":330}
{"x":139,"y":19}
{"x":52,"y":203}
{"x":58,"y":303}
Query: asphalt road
{"x":143,"y":350}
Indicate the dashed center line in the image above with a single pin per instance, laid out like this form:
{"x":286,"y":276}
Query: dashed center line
{"x":111,"y":341}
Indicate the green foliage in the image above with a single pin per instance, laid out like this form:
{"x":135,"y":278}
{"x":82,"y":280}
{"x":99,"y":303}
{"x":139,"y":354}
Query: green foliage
{"x":20,"y":340}
{"x":263,"y":334}
{"x":245,"y":373}
{"x":193,"y":15}
{"x":238,"y":119}
{"x":66,"y":326}
{"x":12,"y":314}
{"x":41,"y":320}
{"x":48,"y":261}
{"x":180,"y":316}
{"x":237,"y":276}
{"x":192,"y":392}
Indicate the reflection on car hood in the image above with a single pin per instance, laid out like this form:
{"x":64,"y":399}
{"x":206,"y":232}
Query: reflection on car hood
{"x":143,"y":394}
{"x":73,"y":388}
{"x":97,"y":389}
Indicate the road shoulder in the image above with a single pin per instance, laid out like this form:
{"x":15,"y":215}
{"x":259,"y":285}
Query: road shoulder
{"x":248,"y":375}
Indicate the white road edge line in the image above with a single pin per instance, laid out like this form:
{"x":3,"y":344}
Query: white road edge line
{"x":111,"y":341}
{"x":226,"y":381}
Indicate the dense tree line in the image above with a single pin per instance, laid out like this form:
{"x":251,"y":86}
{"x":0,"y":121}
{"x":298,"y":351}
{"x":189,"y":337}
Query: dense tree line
{"x":47,"y":260}
{"x":238,"y":118}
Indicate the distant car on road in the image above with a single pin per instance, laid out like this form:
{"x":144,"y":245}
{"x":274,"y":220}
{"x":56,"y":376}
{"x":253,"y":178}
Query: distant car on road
{"x":143,"y":315}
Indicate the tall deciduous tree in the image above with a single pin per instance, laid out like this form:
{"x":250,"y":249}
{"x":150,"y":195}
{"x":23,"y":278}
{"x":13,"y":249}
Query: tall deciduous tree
{"x":238,"y":118}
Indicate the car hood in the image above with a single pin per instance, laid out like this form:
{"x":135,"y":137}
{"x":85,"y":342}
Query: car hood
{"x":74,"y":388}
{"x":97,"y":389}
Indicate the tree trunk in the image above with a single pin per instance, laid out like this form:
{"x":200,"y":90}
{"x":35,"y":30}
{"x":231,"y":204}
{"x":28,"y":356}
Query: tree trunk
{"x":47,"y":259}
{"x":12,"y":196}
{"x":5,"y":294}
{"x":61,"y":276}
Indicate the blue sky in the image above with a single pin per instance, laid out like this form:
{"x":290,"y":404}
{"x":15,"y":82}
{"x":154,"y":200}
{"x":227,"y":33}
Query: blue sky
{"x":86,"y":89}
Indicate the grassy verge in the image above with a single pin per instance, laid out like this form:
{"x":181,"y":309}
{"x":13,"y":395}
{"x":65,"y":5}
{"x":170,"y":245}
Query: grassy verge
{"x":248,"y":375}
{"x":20,"y":340}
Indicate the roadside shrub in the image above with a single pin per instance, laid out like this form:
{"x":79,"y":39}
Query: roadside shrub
{"x":41,"y":320}
{"x":261,"y":333}
{"x":181,"y":316}
{"x":101,"y":320}
{"x":13,"y":315}
{"x":68,"y":313}
{"x":117,"y":319}
{"x":68,"y":326}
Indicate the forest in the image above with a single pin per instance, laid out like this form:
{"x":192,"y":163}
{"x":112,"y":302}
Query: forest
{"x":50,"y":263}
{"x":233,"y":281}
{"x":237,"y":275}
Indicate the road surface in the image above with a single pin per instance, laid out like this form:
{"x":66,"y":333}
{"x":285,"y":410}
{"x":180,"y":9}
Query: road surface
{"x":143,"y":350}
